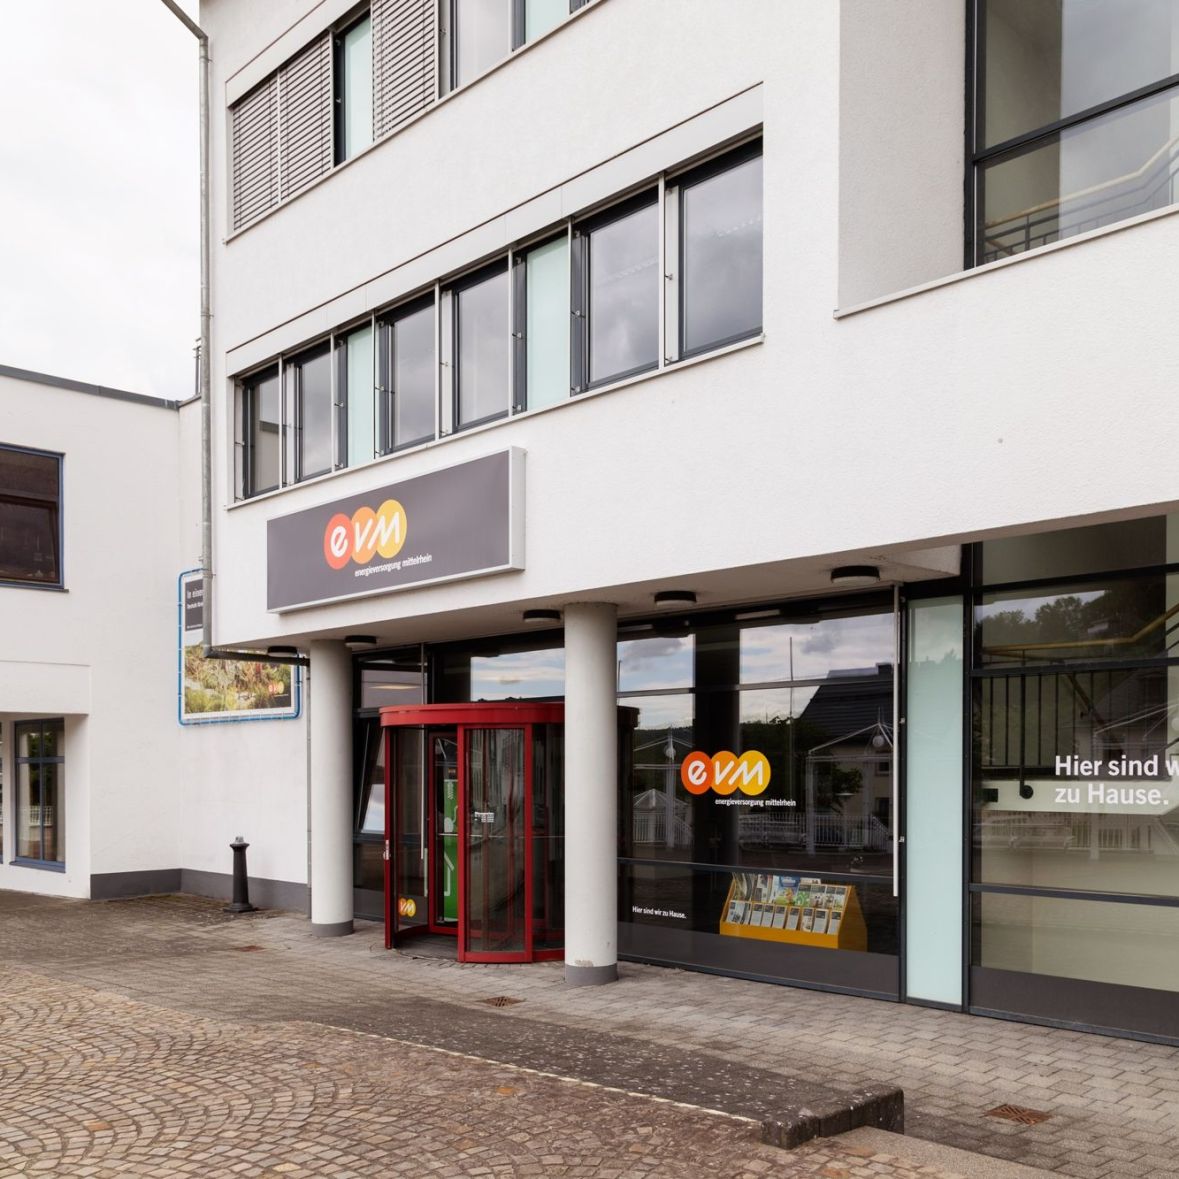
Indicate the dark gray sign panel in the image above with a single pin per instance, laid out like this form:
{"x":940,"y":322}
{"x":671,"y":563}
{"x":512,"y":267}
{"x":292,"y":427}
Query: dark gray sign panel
{"x":194,"y":603}
{"x":463,"y":521}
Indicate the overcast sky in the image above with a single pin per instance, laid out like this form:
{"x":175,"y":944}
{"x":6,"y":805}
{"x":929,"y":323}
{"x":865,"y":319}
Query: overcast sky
{"x":98,"y":192}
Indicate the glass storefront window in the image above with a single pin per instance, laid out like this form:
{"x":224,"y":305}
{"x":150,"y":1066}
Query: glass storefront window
{"x":505,"y":672}
{"x":1126,"y":618}
{"x":649,"y":664}
{"x":817,"y":648}
{"x":1095,"y":941}
{"x":40,"y":791}
{"x":394,"y":677}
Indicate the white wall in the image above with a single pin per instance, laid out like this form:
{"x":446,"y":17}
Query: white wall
{"x":102,"y":653}
{"x":998,"y":402}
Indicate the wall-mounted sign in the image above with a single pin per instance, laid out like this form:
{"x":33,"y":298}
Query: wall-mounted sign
{"x":226,"y":689}
{"x":462,"y":521}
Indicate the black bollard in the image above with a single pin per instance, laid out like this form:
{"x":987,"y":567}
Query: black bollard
{"x":241,"y":884}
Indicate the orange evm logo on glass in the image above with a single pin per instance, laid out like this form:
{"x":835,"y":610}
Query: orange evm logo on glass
{"x":725,"y":772}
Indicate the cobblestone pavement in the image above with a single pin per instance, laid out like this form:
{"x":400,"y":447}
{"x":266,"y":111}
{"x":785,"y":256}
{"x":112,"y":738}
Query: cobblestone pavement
{"x":234,"y":1054}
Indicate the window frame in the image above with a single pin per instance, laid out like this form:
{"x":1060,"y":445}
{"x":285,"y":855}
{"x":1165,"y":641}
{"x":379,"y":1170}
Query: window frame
{"x":40,"y":726}
{"x":386,"y":363}
{"x":580,"y":267}
{"x":678,"y":184}
{"x":58,"y":519}
{"x":519,"y":311}
{"x":340,"y":89}
{"x":294,"y":410}
{"x":978,"y":155}
{"x":247,"y":414}
{"x":455,"y":288}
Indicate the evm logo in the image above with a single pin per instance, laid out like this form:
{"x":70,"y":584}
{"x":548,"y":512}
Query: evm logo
{"x":359,"y":537}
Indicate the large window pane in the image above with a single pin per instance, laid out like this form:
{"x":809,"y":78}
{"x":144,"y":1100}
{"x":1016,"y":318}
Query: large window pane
{"x":1069,"y":552}
{"x":623,"y":260}
{"x":1099,"y":941}
{"x":356,"y":62}
{"x":1077,"y":781}
{"x":482,"y":35}
{"x":520,"y":671}
{"x":29,"y":517}
{"x":262,"y":428}
{"x":40,"y":801}
{"x":817,"y":648}
{"x":412,"y":367}
{"x":657,"y":812}
{"x":662,"y":661}
{"x":309,"y":384}
{"x":1045,"y":60}
{"x":546,"y":330}
{"x":361,"y":402}
{"x":1126,"y":618}
{"x":1103,"y":171}
{"x":721,"y":271}
{"x":481,"y":326}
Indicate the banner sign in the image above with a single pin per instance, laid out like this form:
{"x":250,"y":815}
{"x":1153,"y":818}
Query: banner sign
{"x":226,"y":689}
{"x":463,"y":521}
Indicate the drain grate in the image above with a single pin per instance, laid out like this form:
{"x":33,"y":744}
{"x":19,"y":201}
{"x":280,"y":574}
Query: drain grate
{"x":501,"y":1001}
{"x":247,"y":949}
{"x":1020,"y":1114}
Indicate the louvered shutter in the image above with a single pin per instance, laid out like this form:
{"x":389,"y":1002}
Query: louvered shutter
{"x":305,"y":110}
{"x":404,"y":57}
{"x":255,"y":153}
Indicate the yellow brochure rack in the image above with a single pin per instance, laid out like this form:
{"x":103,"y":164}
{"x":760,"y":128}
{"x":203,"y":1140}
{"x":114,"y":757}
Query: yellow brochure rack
{"x":801,"y":911}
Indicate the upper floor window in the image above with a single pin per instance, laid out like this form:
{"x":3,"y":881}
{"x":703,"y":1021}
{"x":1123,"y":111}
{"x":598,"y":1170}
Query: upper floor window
{"x":354,"y":89}
{"x":479,"y":33}
{"x":30,"y":517}
{"x":670,"y":273}
{"x":1075,"y":106}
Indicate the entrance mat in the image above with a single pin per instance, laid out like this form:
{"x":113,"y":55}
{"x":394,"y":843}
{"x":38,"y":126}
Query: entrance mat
{"x":790,"y":1109}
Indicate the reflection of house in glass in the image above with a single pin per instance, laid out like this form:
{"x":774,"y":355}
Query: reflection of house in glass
{"x":659,"y":817}
{"x":846,"y":801}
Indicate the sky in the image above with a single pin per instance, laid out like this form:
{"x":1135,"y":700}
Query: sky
{"x":99,"y":206}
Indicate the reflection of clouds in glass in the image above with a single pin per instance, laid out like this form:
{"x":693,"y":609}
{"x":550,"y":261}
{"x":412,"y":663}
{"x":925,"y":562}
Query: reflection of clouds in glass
{"x":661,"y":662}
{"x":813,"y":650}
{"x":518,"y":674}
{"x":662,"y":712}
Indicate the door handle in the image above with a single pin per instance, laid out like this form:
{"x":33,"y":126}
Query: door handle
{"x":386,"y":850}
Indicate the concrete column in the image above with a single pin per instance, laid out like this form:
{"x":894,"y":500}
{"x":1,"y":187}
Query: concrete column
{"x":591,"y":794}
{"x":330,"y":708}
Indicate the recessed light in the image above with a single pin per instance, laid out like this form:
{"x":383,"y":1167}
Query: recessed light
{"x":360,"y":642}
{"x":855,"y":575}
{"x":541,"y":617}
{"x":670,"y":599}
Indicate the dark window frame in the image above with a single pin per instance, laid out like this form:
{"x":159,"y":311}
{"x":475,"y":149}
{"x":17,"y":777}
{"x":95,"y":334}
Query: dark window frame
{"x":734,"y":158}
{"x":248,"y":409}
{"x":455,"y":288}
{"x":57,"y":518}
{"x":40,"y":726}
{"x":978,"y":155}
{"x":580,"y":265}
{"x":292,"y":370}
{"x":519,"y":297}
{"x":385,"y":344}
{"x":340,"y":82}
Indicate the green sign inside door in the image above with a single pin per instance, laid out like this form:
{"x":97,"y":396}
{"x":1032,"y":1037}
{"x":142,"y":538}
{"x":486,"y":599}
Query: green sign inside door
{"x":449,"y":849}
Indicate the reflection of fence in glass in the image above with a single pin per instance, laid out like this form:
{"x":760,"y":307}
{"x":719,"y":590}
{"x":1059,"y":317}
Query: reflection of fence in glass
{"x":216,"y":685}
{"x":658,"y":816}
{"x":1058,"y":831}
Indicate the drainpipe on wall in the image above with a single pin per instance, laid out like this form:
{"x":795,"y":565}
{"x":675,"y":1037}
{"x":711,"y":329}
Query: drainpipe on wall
{"x":203,"y":361}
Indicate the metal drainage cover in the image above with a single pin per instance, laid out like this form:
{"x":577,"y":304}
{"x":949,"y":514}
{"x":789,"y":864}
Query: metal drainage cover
{"x":501,"y":1001}
{"x":1020,"y":1114}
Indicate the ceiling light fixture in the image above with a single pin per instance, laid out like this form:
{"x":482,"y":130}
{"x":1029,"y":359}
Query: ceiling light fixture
{"x":670,"y":599}
{"x":541,"y":617}
{"x":855,"y":575}
{"x":282,"y":652}
{"x":360,"y":642}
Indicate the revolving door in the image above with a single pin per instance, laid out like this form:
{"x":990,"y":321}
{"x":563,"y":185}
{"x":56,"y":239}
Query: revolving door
{"x":474,"y":831}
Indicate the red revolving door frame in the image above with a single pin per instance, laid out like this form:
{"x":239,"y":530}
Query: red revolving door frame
{"x":474,"y":827}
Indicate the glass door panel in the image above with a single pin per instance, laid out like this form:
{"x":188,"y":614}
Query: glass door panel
{"x":495,"y":908}
{"x":444,"y":768}
{"x":548,"y":837}
{"x":408,"y":901}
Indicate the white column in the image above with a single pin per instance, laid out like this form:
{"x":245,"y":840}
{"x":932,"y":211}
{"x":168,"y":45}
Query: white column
{"x":591,"y":794}
{"x":330,"y":707}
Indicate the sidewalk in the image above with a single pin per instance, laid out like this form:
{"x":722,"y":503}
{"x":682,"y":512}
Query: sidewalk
{"x":1113,"y":1105}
